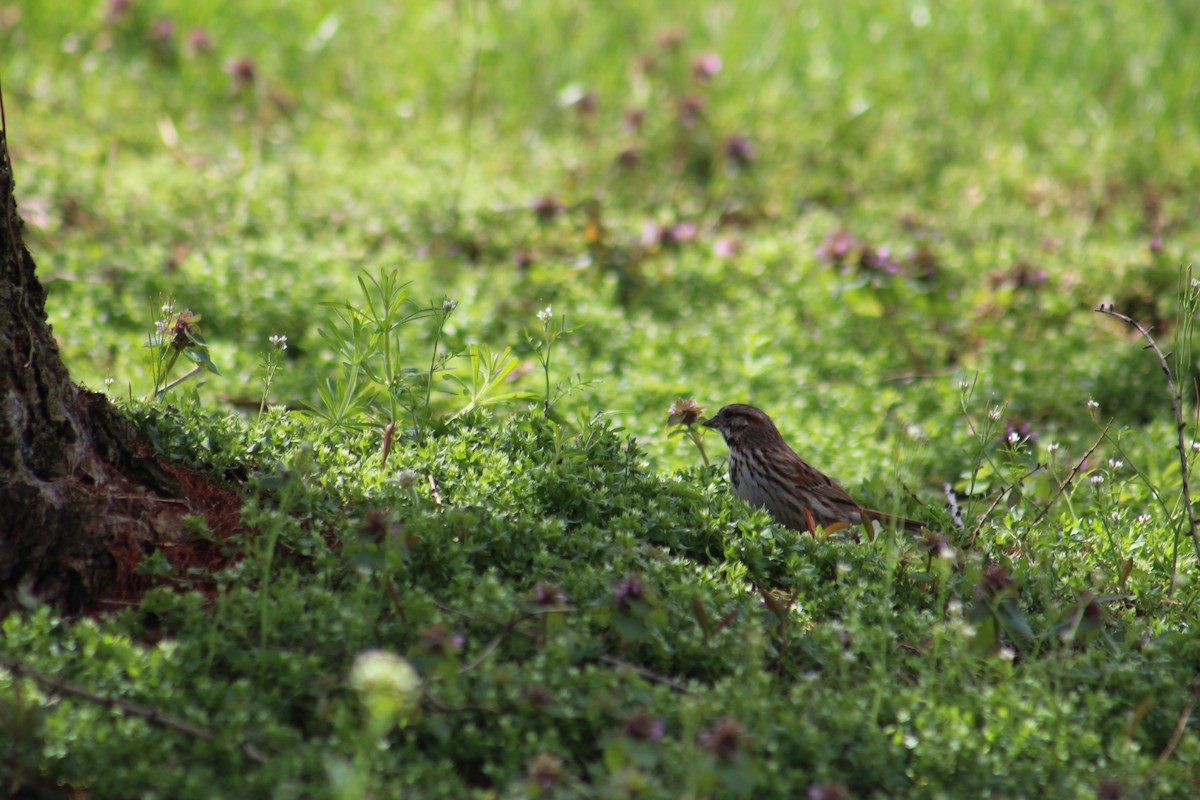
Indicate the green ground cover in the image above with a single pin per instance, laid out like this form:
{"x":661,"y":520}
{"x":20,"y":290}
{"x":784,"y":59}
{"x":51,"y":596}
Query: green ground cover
{"x":888,"y":224}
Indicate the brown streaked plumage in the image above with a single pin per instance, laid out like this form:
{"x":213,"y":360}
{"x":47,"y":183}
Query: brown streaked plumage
{"x":764,"y":471}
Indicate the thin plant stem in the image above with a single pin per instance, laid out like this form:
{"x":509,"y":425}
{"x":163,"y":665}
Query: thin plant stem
{"x":1180,"y":425}
{"x":178,"y":381}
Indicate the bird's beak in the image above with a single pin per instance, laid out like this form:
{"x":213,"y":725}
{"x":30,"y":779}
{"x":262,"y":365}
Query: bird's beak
{"x":711,"y":422}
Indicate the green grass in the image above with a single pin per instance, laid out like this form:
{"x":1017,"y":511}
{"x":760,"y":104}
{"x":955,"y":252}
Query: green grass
{"x":1021,"y":164}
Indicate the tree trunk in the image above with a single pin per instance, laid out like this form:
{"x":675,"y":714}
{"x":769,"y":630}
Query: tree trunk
{"x":81,"y":499}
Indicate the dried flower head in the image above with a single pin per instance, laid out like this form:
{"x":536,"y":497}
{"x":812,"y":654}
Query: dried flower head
{"x":547,"y":594}
{"x":739,"y":151}
{"x":670,"y":38}
{"x":180,"y":327}
{"x":827,"y":791}
{"x":725,"y":738}
{"x":634,"y":119}
{"x":197,"y":42}
{"x":546,"y":770}
{"x":376,"y":525}
{"x":242,"y":72}
{"x":162,"y":30}
{"x":117,"y":9}
{"x":435,"y":639}
{"x":996,"y":581}
{"x":691,"y":110}
{"x":546,"y":208}
{"x":684,"y":411}
{"x":629,"y":158}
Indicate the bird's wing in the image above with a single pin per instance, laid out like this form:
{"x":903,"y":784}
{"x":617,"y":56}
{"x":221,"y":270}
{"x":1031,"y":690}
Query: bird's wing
{"x":808,"y":477}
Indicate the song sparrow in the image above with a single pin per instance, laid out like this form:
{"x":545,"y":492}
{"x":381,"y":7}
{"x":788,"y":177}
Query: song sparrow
{"x":765,"y":472}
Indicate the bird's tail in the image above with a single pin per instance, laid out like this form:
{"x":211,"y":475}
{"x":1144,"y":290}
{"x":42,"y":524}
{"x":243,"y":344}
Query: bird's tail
{"x":894,"y":521}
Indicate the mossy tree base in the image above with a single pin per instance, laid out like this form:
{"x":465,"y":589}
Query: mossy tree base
{"x":81,"y":499}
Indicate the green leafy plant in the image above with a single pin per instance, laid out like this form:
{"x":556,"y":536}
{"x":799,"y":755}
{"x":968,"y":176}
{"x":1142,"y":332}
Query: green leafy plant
{"x":374,"y":384}
{"x":484,"y":385}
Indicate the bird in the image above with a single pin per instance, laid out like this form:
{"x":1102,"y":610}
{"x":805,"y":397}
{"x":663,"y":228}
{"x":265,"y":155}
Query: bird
{"x":767,"y":473}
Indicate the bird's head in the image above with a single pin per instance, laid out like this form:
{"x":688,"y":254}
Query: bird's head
{"x":742,"y":423}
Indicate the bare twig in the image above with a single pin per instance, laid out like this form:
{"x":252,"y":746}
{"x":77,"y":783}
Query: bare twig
{"x":511,"y":627}
{"x":1000,"y":496}
{"x":1176,"y":406}
{"x":179,"y":380}
{"x":1176,"y":737}
{"x":649,"y":675}
{"x":1062,"y":487}
{"x":153,"y":716}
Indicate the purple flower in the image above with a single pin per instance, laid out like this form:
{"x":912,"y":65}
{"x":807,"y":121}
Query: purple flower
{"x":524,"y":258}
{"x":435,"y":639}
{"x":739,"y":151}
{"x":837,"y":247}
{"x":996,"y":581}
{"x":651,"y":234}
{"x":645,"y":727}
{"x":242,"y":72}
{"x":162,"y":30}
{"x":629,"y":158}
{"x":705,"y":66}
{"x":691,"y":110}
{"x":679,"y":233}
{"x":727,"y":248}
{"x":546,"y":208}
{"x":878,"y":260}
{"x":629,"y":589}
{"x":117,"y":8}
{"x":1021,"y":428}
{"x":198,"y":41}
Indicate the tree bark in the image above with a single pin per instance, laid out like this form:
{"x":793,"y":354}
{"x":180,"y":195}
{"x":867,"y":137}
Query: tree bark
{"x":81,"y":498}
